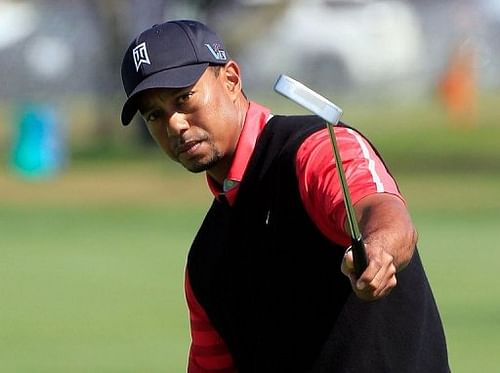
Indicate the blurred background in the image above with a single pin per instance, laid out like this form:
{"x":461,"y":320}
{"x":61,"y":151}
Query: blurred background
{"x":95,"y":222}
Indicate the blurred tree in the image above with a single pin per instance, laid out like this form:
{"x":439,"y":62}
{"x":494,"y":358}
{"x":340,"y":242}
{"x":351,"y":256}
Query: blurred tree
{"x":120,"y":21}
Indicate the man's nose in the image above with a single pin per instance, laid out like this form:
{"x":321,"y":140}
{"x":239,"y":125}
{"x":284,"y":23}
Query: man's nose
{"x":176,"y":124}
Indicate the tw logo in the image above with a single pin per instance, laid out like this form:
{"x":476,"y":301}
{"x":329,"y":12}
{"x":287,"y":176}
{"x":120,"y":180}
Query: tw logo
{"x":219,"y":54}
{"x":140,"y":54}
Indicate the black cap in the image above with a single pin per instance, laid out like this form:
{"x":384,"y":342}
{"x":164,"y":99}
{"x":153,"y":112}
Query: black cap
{"x":171,"y":55}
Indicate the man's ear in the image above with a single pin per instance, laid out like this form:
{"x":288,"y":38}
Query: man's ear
{"x":232,"y":78}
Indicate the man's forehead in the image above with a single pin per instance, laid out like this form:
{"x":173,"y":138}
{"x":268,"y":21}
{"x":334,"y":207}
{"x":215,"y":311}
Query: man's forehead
{"x":145,"y":98}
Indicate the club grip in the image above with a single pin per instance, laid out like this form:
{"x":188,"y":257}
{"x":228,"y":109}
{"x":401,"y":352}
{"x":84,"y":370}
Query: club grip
{"x":359,"y":256}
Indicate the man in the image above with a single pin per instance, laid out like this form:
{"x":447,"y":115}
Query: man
{"x":270,"y":283}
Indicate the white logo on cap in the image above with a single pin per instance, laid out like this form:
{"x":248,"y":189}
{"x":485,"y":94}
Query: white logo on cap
{"x":140,"y":54}
{"x":219,"y":54}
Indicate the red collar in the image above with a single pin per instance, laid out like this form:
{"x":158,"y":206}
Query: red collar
{"x":255,"y":120}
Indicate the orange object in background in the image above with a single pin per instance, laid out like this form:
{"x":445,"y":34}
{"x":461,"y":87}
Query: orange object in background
{"x":457,"y":87}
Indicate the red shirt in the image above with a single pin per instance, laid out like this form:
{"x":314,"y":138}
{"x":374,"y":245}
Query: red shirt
{"x":322,"y":198}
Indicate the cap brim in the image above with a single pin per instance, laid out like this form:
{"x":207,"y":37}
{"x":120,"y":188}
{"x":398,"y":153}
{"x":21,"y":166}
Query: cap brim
{"x":178,"y":77}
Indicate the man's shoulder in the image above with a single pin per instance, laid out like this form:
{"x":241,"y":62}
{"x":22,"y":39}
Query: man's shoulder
{"x":294,"y":125}
{"x":295,"y":118}
{"x":284,"y":134}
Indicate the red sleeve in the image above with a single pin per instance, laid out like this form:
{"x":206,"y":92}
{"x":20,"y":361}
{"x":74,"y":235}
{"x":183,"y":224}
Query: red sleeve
{"x":208,"y":352}
{"x":319,"y":184}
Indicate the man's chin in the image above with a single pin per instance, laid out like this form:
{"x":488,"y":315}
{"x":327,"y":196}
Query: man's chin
{"x":199,"y":166}
{"x":196,"y":169}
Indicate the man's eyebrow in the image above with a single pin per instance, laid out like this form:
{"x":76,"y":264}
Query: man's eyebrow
{"x":144,"y":106}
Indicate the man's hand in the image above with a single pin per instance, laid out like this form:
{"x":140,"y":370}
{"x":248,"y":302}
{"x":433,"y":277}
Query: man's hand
{"x":389,"y":237}
{"x":377,"y":280}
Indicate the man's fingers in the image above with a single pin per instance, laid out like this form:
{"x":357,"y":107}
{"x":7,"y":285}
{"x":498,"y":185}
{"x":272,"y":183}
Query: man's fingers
{"x":347,"y":267}
{"x":391,"y":284}
{"x":378,"y":279}
{"x":388,"y":283}
{"x":384,"y":271}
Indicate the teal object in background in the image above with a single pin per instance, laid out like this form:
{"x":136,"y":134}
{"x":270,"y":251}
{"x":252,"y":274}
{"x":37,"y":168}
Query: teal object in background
{"x":38,"y":149}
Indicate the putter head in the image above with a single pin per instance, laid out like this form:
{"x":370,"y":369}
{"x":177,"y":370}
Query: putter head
{"x":307,"y":98}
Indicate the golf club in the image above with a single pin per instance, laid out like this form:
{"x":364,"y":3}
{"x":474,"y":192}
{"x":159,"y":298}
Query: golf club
{"x":331,"y":113}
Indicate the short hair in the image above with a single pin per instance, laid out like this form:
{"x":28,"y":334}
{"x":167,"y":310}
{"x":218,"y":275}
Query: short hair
{"x":216,"y":69}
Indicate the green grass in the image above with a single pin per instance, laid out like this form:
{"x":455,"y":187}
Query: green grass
{"x":100,"y":288}
{"x":461,"y":261}
{"x":93,"y":290}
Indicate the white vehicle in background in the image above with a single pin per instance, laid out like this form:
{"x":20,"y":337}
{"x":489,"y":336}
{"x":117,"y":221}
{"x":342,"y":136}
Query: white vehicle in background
{"x":341,"y":43}
{"x":11,"y":16}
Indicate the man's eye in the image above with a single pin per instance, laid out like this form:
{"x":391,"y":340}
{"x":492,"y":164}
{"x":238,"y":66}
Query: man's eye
{"x":184,"y":97}
{"x":154,"y":115}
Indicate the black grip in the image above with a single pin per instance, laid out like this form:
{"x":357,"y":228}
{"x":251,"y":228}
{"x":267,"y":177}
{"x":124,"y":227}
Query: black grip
{"x":359,"y":256}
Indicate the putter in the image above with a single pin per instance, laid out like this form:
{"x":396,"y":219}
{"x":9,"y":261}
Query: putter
{"x":331,"y":113}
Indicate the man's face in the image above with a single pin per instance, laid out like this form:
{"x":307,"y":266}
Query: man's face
{"x":197,"y":126}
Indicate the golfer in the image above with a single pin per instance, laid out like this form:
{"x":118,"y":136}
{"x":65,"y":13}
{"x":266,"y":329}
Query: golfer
{"x":270,"y":283}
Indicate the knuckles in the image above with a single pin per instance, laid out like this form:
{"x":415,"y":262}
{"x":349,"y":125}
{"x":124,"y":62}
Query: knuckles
{"x":379,"y":278}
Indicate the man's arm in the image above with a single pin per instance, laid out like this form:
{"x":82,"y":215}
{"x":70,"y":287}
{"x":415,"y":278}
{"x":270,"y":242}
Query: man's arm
{"x":390,"y":240}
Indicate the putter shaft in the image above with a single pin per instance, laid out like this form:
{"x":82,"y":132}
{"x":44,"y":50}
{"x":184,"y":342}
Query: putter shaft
{"x":357,"y":244}
{"x":331,"y":113}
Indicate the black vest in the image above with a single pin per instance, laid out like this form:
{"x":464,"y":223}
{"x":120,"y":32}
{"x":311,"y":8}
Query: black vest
{"x":271,"y":284}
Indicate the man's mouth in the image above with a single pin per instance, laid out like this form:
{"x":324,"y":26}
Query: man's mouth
{"x":188,"y":147}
